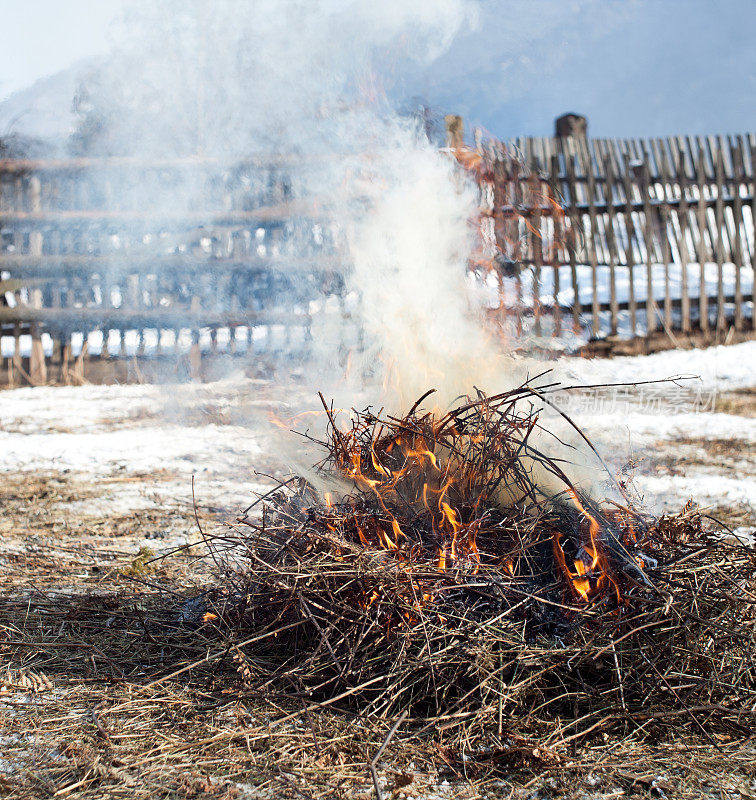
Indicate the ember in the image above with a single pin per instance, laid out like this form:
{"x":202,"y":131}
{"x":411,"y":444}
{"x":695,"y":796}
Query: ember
{"x":440,"y":577}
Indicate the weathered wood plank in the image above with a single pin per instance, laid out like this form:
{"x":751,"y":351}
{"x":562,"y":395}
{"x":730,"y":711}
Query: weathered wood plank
{"x":752,"y":151}
{"x":651,"y":310}
{"x":536,"y":238}
{"x":737,"y":218}
{"x":555,"y":198}
{"x":719,"y":222}
{"x":664,"y":222}
{"x":703,"y":254}
{"x":631,"y":233}
{"x":684,"y":221}
{"x":591,"y":241}
{"x":611,"y":244}
{"x":572,"y":242}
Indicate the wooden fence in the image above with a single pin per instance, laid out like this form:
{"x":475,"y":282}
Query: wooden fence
{"x":632,"y":236}
{"x":162,"y":258}
{"x":176,"y":257}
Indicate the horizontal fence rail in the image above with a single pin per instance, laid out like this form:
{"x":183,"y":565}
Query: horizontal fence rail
{"x":581,"y":238}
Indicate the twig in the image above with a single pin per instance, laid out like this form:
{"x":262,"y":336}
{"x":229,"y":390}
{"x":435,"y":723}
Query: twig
{"x":379,"y":753}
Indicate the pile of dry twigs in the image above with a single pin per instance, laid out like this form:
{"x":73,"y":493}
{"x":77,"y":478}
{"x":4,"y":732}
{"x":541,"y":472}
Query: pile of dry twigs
{"x":452,"y":574}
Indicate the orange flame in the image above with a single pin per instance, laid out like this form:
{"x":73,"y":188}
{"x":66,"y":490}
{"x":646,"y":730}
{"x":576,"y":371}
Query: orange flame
{"x":587,"y":578}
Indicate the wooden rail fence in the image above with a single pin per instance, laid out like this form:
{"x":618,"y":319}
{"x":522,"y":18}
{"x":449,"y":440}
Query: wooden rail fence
{"x":633,"y":237}
{"x":168,"y":258}
{"x":594,"y":237}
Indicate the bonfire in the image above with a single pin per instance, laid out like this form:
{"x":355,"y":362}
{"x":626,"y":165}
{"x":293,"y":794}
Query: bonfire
{"x":454,"y":576}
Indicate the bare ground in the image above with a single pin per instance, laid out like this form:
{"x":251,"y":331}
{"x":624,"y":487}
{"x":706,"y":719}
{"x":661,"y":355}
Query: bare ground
{"x":109,"y":687}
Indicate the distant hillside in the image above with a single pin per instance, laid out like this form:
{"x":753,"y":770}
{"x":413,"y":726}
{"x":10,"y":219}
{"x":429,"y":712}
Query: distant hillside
{"x":641,"y":68}
{"x":43,"y":111}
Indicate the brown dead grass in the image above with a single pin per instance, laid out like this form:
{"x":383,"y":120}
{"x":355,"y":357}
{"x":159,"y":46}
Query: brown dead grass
{"x":741,"y":402}
{"x":92,"y":703}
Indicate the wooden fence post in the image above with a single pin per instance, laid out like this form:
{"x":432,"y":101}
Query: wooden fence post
{"x":37,"y":365}
{"x":455,"y":131}
{"x":534,"y":201}
{"x":15,"y":362}
{"x":556,"y":243}
{"x":664,"y":223}
{"x":499,"y":200}
{"x":514,"y":236}
{"x":753,"y":240}
{"x":738,"y":167}
{"x":195,"y":357}
{"x":683,"y":218}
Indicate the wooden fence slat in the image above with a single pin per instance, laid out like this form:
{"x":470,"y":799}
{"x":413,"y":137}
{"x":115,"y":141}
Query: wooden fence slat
{"x":535,"y":199}
{"x":737,"y":247}
{"x":684,"y":221}
{"x":615,"y":155}
{"x":499,"y":187}
{"x":611,"y":245}
{"x":599,"y":200}
{"x":745,"y":242}
{"x":572,"y":244}
{"x":725,"y":147}
{"x":630,"y":228}
{"x":648,"y":239}
{"x":719,"y":222}
{"x":709,"y":150}
{"x":664,"y":222}
{"x":15,"y":360}
{"x":711,"y":172}
{"x":673,"y":148}
{"x":514,"y":228}
{"x":649,"y":199}
{"x":555,"y":198}
{"x":703,"y":255}
{"x":37,"y":363}
{"x":752,"y":150}
{"x":585,"y":160}
{"x":590,"y":196}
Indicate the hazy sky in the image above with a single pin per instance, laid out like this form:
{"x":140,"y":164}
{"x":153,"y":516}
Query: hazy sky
{"x":40,"y":37}
{"x":634,"y":67}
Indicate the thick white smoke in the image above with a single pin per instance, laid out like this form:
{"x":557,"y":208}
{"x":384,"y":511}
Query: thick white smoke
{"x":409,"y":251}
{"x":233,"y":78}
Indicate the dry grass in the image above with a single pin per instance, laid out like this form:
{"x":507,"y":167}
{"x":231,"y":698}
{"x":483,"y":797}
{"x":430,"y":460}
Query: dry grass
{"x":112,"y":686}
{"x":93,"y":708}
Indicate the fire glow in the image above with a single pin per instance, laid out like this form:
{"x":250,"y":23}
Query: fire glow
{"x":456,"y":494}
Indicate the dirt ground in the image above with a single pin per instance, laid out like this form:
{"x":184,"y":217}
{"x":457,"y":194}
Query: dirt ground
{"x":105,"y":692}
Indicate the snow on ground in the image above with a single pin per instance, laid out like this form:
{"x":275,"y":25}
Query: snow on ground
{"x":639,"y":282}
{"x":665,"y":492}
{"x":141,"y":444}
{"x":584,"y":274}
{"x":674,"y":429}
{"x":714,"y":368}
{"x":123,"y":436}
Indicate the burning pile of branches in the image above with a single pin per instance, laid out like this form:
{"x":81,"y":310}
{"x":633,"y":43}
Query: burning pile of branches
{"x":441,"y":578}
